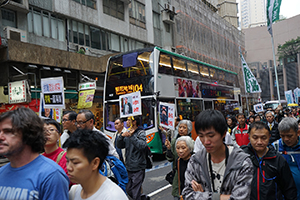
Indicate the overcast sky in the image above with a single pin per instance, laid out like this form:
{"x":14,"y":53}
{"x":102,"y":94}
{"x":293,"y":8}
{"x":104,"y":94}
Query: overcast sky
{"x":290,"y":8}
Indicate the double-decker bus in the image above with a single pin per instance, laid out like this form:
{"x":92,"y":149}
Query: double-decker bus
{"x":163,"y":76}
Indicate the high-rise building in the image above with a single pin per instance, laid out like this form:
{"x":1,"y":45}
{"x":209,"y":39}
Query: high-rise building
{"x":253,"y":13}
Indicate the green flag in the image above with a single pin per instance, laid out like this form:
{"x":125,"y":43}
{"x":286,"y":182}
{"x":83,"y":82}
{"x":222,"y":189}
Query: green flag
{"x":273,"y":9}
{"x":251,"y":84}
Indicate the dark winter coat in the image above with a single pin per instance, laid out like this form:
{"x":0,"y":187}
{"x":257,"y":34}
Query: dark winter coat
{"x":272,"y":176}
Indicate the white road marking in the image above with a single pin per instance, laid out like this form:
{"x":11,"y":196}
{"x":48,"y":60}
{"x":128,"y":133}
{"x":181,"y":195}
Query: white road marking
{"x":159,"y":190}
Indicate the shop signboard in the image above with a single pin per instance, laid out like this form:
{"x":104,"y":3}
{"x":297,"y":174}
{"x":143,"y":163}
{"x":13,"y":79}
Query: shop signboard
{"x":87,"y":86}
{"x":167,"y":115}
{"x":17,"y":92}
{"x":53,"y":92}
{"x":130,"y":104}
{"x":85,"y":99}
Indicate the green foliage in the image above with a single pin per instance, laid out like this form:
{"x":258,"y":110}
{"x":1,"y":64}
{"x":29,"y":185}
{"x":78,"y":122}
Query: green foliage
{"x":289,"y":49}
{"x":81,"y":51}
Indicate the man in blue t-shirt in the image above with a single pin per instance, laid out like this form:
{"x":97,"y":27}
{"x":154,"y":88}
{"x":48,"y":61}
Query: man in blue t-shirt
{"x":289,"y":146}
{"x":28,"y":175}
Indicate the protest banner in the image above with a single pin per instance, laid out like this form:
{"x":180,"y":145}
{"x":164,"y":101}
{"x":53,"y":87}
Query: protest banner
{"x":85,"y":99}
{"x":130,"y":104}
{"x":258,"y":107}
{"x":167,"y":115}
{"x":53,"y":92}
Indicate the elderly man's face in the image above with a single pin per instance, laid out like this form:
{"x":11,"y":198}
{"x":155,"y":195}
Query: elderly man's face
{"x":270,"y":117}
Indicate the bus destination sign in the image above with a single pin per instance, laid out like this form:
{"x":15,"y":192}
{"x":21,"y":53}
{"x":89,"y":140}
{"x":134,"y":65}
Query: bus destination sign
{"x":125,"y":89}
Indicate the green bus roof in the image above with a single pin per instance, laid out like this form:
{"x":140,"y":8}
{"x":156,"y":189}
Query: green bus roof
{"x":194,"y":60}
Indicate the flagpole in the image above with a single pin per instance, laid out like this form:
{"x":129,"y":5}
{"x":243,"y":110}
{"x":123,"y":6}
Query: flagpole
{"x":275,"y":69}
{"x":247,"y":103}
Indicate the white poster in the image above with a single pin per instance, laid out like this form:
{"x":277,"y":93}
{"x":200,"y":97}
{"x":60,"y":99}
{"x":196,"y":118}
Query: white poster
{"x":258,"y":107}
{"x":17,"y":92}
{"x":130,"y":104}
{"x":53,"y":92}
{"x":289,"y":96}
{"x":167,"y":115}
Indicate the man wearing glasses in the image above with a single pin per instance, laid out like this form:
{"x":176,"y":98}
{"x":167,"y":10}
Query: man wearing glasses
{"x":69,"y":124}
{"x":52,"y":150}
{"x":29,"y":175}
{"x":86,"y":120}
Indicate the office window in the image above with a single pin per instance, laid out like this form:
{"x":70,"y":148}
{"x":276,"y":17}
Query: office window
{"x":87,"y":35}
{"x":115,"y":42}
{"x":95,"y":38}
{"x":88,"y":3}
{"x":53,"y":29}
{"x":8,"y":18}
{"x":46,"y":24}
{"x":80,"y":33}
{"x":37,"y":23}
{"x":61,"y":30}
{"x":137,"y":13}
{"x":43,"y":23}
{"x":114,"y":8}
{"x":156,"y":20}
{"x":75,"y":32}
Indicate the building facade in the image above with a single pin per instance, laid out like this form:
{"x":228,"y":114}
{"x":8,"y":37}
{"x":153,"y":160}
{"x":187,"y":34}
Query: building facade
{"x":253,"y":13}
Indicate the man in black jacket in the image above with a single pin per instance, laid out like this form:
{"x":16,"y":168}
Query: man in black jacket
{"x":134,"y":141}
{"x":272,"y":176}
{"x":273,"y":126}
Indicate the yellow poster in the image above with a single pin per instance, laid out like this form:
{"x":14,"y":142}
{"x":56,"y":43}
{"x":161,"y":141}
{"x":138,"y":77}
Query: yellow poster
{"x":85,"y":99}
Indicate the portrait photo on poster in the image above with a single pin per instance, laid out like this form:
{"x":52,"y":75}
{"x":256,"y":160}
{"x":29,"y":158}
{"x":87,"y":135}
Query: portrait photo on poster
{"x":164,"y":114}
{"x":45,"y":112}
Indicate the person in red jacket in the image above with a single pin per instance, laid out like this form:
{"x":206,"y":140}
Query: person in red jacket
{"x":240,"y":133}
{"x":52,"y":132}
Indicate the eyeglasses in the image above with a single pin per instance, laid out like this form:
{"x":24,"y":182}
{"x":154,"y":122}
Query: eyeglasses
{"x":64,"y":120}
{"x":51,"y":131}
{"x":82,"y":122}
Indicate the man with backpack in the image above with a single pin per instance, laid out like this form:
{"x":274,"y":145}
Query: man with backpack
{"x":134,"y":141}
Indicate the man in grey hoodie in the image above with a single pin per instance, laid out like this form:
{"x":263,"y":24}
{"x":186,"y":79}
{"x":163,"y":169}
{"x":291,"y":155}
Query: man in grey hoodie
{"x":218,"y":171}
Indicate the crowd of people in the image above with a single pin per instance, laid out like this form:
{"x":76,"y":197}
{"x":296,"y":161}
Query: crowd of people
{"x":43,"y":164}
{"x":233,"y":157}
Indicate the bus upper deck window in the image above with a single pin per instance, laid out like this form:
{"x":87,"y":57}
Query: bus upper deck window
{"x":193,"y":70}
{"x":213,"y":74}
{"x":165,"y":64}
{"x":179,"y":67}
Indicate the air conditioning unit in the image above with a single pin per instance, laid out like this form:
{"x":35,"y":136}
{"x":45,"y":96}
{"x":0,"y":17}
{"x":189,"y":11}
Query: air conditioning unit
{"x":168,"y":14}
{"x":15,"y":34}
{"x":83,"y":48}
{"x":167,"y":17}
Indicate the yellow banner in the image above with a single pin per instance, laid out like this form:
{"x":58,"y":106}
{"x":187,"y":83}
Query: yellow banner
{"x":85,"y":99}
